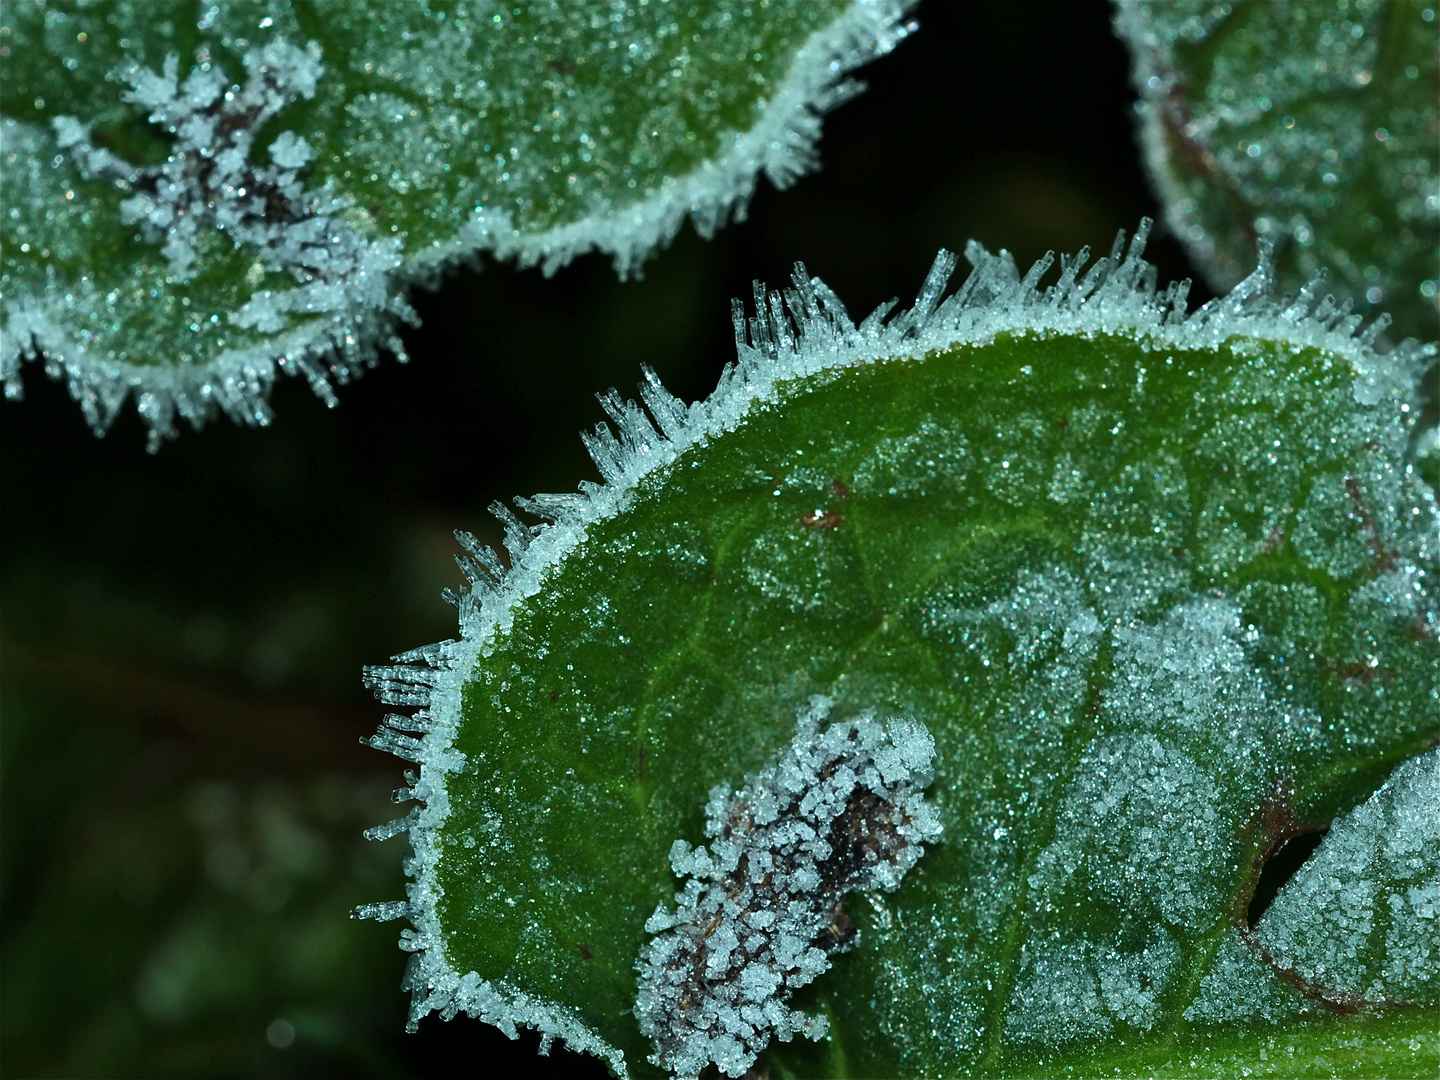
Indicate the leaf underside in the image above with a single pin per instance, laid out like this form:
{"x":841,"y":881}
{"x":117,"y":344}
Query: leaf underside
{"x":1314,"y":125}
{"x":1161,"y":607}
{"x":434,"y":131}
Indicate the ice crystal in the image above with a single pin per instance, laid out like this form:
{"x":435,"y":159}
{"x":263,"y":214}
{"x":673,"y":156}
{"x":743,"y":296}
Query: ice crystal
{"x":841,"y":810}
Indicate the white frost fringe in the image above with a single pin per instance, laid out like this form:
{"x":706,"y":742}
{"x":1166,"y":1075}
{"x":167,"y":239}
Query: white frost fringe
{"x":791,"y":336}
{"x":358,"y":320}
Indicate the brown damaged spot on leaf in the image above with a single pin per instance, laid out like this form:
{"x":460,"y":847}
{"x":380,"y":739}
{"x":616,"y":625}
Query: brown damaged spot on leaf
{"x":1366,"y":673}
{"x":1385,"y":555}
{"x":1275,"y":824}
{"x":838,"y":933}
{"x":1359,"y":672}
{"x":820,"y":519}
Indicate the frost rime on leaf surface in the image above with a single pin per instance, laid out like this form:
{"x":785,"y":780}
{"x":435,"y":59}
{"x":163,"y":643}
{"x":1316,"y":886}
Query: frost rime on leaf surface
{"x":430,"y":135}
{"x":1142,"y":679}
{"x":842,"y":810}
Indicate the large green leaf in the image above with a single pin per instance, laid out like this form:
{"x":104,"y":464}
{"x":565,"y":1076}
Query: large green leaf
{"x":1161,"y":587}
{"x":1313,"y":124}
{"x":198,"y":194}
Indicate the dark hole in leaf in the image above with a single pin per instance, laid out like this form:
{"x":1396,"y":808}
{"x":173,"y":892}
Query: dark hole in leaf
{"x":1280,"y":868}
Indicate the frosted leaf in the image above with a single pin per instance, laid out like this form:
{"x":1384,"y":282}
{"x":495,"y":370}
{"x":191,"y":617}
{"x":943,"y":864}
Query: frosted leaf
{"x":929,"y":457}
{"x":1360,"y":916}
{"x":1311,"y":125}
{"x":1141,"y":826}
{"x":152,"y":249}
{"x":1067,"y":992}
{"x":1135,"y":691}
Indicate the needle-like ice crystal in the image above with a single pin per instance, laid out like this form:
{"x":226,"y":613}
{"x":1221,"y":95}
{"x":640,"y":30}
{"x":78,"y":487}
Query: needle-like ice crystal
{"x":841,"y":809}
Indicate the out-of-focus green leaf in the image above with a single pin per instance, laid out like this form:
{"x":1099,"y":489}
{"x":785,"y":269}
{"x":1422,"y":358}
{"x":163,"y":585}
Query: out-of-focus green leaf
{"x":1312,"y":123}
{"x":200,"y":195}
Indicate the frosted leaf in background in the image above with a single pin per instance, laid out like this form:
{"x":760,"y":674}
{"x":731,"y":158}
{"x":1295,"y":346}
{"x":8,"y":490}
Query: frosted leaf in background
{"x":200,"y":196}
{"x":1311,"y":123}
{"x":1132,"y":694}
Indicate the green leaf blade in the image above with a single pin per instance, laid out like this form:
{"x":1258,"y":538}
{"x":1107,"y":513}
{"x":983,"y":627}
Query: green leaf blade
{"x":1064,"y":532}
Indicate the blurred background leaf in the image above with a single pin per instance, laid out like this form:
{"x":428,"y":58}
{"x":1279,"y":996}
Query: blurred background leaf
{"x":181,"y":635}
{"x":1313,"y":124}
{"x":296,"y":207}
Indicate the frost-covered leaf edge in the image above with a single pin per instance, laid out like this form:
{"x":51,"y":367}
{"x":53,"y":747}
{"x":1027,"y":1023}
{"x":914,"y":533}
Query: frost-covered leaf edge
{"x":342,"y":345}
{"x":793,"y":336}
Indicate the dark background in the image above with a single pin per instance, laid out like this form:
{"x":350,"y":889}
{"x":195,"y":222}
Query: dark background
{"x":183,"y":633}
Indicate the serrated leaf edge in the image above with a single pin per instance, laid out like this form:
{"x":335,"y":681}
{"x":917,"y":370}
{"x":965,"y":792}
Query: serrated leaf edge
{"x":792,"y":336}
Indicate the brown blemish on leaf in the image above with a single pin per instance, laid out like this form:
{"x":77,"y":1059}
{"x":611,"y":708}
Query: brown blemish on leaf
{"x":819,"y":519}
{"x":1384,"y":555}
{"x":1365,"y":674}
{"x":838,"y":932}
{"x":1276,"y":824}
{"x":1359,"y":673}
{"x":839,"y":490}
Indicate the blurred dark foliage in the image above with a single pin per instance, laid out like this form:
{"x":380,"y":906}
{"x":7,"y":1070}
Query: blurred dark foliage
{"x":183,"y":633}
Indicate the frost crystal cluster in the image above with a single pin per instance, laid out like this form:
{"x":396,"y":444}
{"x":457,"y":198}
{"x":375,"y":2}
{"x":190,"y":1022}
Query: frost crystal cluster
{"x":842,"y":809}
{"x":210,"y":181}
{"x":209,"y":178}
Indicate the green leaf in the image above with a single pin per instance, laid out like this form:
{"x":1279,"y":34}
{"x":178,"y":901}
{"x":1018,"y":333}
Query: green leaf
{"x":202,"y":194}
{"x":1314,"y":125}
{"x":1161,"y":587}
